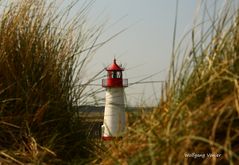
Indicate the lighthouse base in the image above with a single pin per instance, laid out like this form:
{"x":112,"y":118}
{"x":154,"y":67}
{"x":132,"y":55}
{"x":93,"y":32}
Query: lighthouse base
{"x":109,"y":138}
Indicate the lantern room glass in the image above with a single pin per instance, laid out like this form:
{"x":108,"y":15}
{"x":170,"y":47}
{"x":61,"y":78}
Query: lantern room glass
{"x":114,"y":74}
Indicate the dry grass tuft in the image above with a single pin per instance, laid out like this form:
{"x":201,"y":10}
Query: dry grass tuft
{"x":41,"y":61}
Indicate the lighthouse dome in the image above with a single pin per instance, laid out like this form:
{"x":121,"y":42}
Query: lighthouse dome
{"x":114,"y":67}
{"x":114,"y":77}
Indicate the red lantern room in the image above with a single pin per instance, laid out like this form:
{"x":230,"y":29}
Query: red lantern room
{"x":114,"y":77}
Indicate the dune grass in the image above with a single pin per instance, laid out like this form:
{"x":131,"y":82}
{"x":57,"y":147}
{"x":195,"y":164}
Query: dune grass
{"x":41,"y":61}
{"x":197,"y":119}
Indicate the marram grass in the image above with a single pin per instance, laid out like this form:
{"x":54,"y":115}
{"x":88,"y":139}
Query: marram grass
{"x":41,"y":59}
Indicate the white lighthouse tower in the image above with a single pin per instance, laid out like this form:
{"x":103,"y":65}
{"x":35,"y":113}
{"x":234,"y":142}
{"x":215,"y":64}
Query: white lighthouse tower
{"x":114,"y":115}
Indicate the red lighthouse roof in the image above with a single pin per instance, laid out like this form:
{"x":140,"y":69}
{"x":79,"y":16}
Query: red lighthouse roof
{"x":114,"y":66}
{"x":114,"y":77}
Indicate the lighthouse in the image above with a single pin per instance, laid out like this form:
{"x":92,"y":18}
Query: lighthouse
{"x":114,"y":114}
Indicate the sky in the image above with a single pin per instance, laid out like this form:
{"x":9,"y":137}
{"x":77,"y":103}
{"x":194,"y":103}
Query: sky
{"x":145,"y":47}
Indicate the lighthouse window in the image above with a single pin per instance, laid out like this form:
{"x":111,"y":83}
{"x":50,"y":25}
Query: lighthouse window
{"x":118,"y":74}
{"x":114,"y":74}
